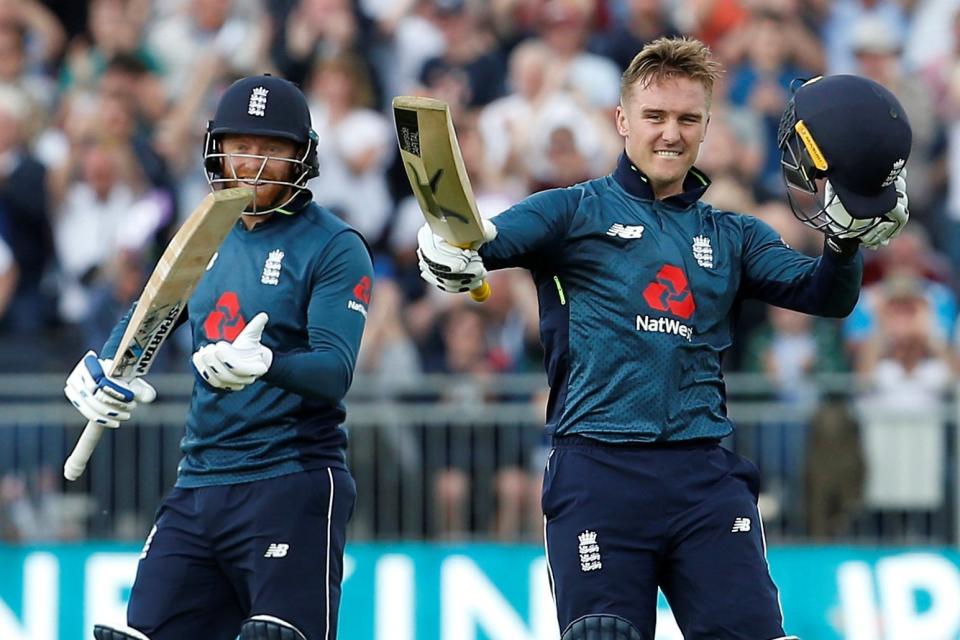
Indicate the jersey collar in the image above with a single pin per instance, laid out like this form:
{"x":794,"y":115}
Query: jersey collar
{"x":636,"y":183}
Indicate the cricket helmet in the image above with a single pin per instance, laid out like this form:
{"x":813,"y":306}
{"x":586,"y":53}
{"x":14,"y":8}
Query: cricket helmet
{"x":266,"y":106}
{"x":843,"y":142}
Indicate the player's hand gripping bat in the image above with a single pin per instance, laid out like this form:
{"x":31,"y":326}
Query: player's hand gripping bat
{"x":165,"y":295}
{"x":434,"y":166}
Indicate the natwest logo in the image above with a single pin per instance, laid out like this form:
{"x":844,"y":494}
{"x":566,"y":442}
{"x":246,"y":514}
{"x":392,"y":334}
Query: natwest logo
{"x":362,"y":291}
{"x":670,"y":292}
{"x":225,"y":323}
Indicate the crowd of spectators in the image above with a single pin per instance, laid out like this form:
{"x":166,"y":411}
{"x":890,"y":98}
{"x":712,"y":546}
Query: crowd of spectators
{"x":103,"y":107}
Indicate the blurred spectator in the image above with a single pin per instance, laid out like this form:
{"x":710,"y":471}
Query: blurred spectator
{"x":356,"y":144}
{"x":735,"y":147}
{"x":104,"y":215}
{"x":834,"y":471}
{"x":513,"y":322}
{"x":24,"y":219}
{"x":113,"y":28}
{"x":565,"y":29}
{"x":127,"y":77}
{"x":753,"y":313}
{"x":40,"y":37}
{"x":908,"y":255}
{"x":790,"y":349}
{"x":711,"y":20}
{"x":471,"y":70}
{"x":413,"y":38}
{"x":517,"y":489}
{"x":877,"y":50}
{"x":761,"y":82}
{"x":504,"y":123}
{"x":200,"y":30}
{"x":906,"y":370}
{"x":646,"y":21}
{"x":15,"y":71}
{"x":567,"y":143}
{"x":929,"y":32}
{"x":34,"y":510}
{"x":9,"y":274}
{"x":846,"y":13}
{"x":465,"y":350}
{"x":778,"y":215}
{"x":318,"y":29}
{"x":387,"y":348}
{"x":943,"y":76}
{"x":729,"y":194}
{"x":802,"y":47}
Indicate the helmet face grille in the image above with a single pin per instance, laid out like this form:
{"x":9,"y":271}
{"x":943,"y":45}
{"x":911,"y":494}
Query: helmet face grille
{"x":798,"y":168}
{"x":818,"y":208}
{"x":823,"y":211}
{"x":216,"y":161}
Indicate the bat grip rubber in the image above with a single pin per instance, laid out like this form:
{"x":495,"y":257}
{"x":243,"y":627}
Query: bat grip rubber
{"x":481,"y":293}
{"x":77,"y":462}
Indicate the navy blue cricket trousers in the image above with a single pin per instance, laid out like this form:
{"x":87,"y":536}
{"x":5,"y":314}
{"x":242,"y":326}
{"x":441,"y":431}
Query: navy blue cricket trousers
{"x":622,"y":520}
{"x":218,"y":555}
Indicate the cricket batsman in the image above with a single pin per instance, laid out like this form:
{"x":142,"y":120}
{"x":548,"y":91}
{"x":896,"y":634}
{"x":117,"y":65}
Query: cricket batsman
{"x":639,"y":282}
{"x":250,"y":540}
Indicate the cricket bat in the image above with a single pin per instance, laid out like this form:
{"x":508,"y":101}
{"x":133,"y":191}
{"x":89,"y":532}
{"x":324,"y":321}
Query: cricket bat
{"x":165,"y":295}
{"x":434,"y":166}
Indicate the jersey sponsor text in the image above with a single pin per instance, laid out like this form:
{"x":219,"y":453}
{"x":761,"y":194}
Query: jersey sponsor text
{"x":664,"y":325}
{"x":356,"y":306}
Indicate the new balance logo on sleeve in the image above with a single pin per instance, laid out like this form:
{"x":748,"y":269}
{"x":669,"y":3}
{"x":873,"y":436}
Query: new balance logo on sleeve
{"x":625,"y":231}
{"x":740,"y":525}
{"x":276,"y":550}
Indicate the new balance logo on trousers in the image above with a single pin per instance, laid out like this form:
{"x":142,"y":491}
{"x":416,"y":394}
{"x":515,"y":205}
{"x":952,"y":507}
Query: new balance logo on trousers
{"x":740,"y":525}
{"x":279,"y":550}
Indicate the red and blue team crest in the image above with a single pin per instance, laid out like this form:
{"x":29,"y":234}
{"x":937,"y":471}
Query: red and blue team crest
{"x":225,"y":322}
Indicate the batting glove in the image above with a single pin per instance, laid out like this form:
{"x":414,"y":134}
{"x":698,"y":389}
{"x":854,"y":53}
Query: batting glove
{"x":880,"y":234}
{"x":894,"y":220}
{"x":448,"y":267}
{"x":101,"y":399}
{"x":233,"y":365}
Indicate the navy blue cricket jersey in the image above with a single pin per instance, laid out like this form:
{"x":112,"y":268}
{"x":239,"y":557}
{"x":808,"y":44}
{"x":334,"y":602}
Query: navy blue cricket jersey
{"x":638,"y":299}
{"x":312,"y":274}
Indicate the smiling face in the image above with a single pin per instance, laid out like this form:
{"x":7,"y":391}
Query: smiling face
{"x":663,"y":124}
{"x":258,"y":161}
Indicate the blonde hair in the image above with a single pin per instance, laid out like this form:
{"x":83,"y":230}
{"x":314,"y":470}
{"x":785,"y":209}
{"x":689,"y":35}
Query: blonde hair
{"x":670,"y":58}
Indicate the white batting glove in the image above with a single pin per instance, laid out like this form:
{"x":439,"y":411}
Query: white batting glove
{"x":451,"y":268}
{"x":101,"y":399}
{"x":234,"y":365}
{"x":880,"y":234}
{"x":895,"y":219}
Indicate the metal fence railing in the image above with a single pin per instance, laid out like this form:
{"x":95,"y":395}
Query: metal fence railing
{"x":449,"y":457}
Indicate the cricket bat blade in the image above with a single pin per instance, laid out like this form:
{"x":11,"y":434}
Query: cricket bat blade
{"x":434,"y":166}
{"x":164,"y":297}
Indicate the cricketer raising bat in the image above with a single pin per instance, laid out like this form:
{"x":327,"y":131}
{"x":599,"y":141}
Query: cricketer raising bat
{"x":165,"y":295}
{"x":434,"y":166}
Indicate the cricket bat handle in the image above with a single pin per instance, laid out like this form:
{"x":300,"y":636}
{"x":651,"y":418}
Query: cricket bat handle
{"x":481,"y":293}
{"x":77,"y":462}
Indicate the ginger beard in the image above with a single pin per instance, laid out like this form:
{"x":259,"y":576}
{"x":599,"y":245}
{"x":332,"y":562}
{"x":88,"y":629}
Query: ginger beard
{"x":261,"y":162}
